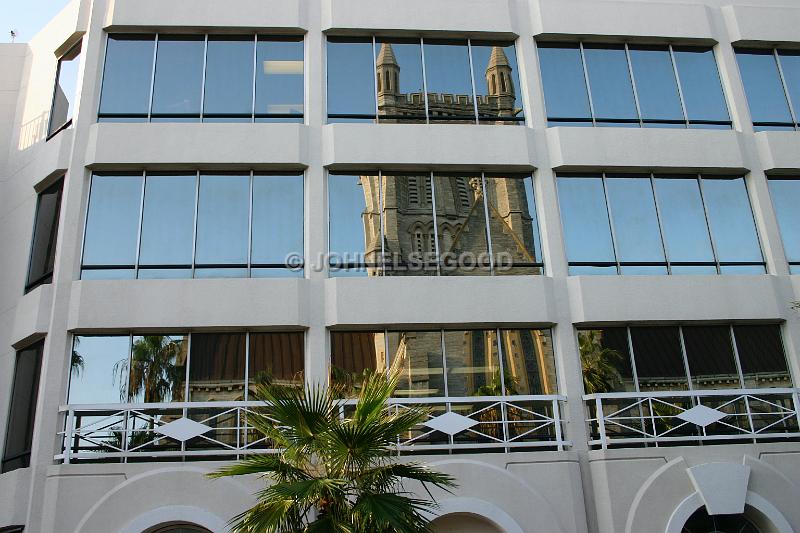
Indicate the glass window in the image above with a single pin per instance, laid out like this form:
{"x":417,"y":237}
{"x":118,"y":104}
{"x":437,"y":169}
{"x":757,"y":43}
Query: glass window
{"x":610,"y":83}
{"x":449,"y":81}
{"x":98,"y":369}
{"x":418,"y":356}
{"x":352,"y":355}
{"x":276,"y":358}
{"x":565,"y":92}
{"x":528,"y":362}
{"x":763,"y":87}
{"x":351,"y":80}
{"x":277,"y":225}
{"x":461,"y":225}
{"x":513,"y":225}
{"x":354,"y":228}
{"x":656,"y":86}
{"x":168,"y":220}
{"x":178,"y":78}
{"x":399,"y":79}
{"x":786,"y":199}
{"x":22,"y":412}
{"x":496,"y":77}
{"x":158,"y":368}
{"x":702,"y":89}
{"x":66,"y":90}
{"x":222,"y":223}
{"x":587,"y":233}
{"x":112,"y":224}
{"x":45,"y":232}
{"x":636,"y":230}
{"x":409,"y":241}
{"x":228,"y":93}
{"x":279,"y":79}
{"x":790,"y":65}
{"x":217,"y":367}
{"x":606,"y":360}
{"x":761,"y":356}
{"x":659,"y":358}
{"x":709,"y":353}
{"x":127,"y":77}
{"x":473,"y":368}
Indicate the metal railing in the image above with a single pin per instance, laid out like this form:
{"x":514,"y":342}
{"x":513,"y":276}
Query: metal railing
{"x":184,"y":430}
{"x":626,"y":419}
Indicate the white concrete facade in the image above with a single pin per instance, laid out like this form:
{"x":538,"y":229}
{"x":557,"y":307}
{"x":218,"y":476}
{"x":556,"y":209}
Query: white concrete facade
{"x":577,"y":489}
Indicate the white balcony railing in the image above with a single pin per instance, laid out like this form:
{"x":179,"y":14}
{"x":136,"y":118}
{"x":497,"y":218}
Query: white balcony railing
{"x":625,"y":419}
{"x":122,"y":432}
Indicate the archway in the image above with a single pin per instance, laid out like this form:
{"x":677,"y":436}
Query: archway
{"x":702,"y":522}
{"x":179,"y":528}
{"x":464,"y":523}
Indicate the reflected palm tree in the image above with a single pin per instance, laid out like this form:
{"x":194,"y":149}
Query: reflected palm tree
{"x":77,"y":364}
{"x":599,"y":363}
{"x":154,"y":370}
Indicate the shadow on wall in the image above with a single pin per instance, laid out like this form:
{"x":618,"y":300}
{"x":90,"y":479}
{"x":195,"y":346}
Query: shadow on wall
{"x":33,"y":131}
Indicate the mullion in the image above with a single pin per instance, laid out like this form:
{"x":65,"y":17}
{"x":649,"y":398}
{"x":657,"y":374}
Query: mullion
{"x":680,"y":87}
{"x":633,"y":85}
{"x":708,"y":224}
{"x":784,"y":86}
{"x":611,"y":224}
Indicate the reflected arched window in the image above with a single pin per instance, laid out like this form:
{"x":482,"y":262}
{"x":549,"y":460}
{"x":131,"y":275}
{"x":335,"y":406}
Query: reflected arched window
{"x":179,"y":528}
{"x":702,"y":522}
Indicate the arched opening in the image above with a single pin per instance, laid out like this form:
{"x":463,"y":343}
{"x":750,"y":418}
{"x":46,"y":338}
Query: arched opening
{"x":702,"y":522}
{"x":178,"y":528}
{"x":464,"y":523}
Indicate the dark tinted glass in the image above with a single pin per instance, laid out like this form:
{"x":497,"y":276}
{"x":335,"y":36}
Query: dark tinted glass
{"x":762,"y":357}
{"x":702,"y":89}
{"x":449,"y":81}
{"x":113,"y":220}
{"x":683,"y":220}
{"x":168,"y":220}
{"x":513,"y":225}
{"x":216,"y":367}
{"x":66,"y":89}
{"x":659,"y":359}
{"x":24,"y":391}
{"x":496,"y":81}
{"x":158,"y":368}
{"x":179,"y":75}
{"x":528,"y":361}
{"x":786,"y":200}
{"x":351,"y":78}
{"x":276,"y":358}
{"x":98,"y":369}
{"x":352,"y":355}
{"x":399,"y":79}
{"x":461,"y":225}
{"x":656,"y":86}
{"x":605,"y":360}
{"x":587,"y":234}
{"x":222,"y":220}
{"x":277,"y":219}
{"x":420,"y":362}
{"x":790,"y":65}
{"x":731,"y":220}
{"x":762,"y":84}
{"x":564,"y":83}
{"x":610,"y":82}
{"x":229,"y":76}
{"x":709,"y":351}
{"x":279,"y":78}
{"x":127,"y":75}
{"x":353,"y":224}
{"x":473,"y":368}
{"x":45,"y":231}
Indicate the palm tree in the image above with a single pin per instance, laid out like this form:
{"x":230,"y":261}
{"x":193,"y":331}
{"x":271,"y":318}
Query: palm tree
{"x":154,"y":371}
{"x":599,"y":364}
{"x":335,"y":472}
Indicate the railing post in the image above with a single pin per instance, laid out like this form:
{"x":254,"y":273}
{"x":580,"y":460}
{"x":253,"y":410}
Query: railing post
{"x":557,"y":422}
{"x":68,"y":435}
{"x":796,"y":402}
{"x":601,"y":423}
{"x":750,"y":417}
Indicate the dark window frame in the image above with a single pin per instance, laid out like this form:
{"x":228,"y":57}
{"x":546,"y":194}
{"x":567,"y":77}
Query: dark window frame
{"x":32,"y":402}
{"x":47,"y":277}
{"x":52,"y":130}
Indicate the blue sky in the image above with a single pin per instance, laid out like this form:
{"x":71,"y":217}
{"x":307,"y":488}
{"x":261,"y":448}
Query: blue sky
{"x":27,"y":17}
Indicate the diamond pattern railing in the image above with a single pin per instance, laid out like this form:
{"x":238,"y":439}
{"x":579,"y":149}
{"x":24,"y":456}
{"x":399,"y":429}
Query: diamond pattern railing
{"x":625,"y":419}
{"x":136,"y":432}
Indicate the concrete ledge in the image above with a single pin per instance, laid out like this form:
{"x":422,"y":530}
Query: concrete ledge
{"x":14,"y":487}
{"x":779,"y":150}
{"x":265,"y":146}
{"x":426,"y":145}
{"x":417,"y":301}
{"x":617,"y":299}
{"x":644,"y":149}
{"x":762,"y":23}
{"x":187,"y":304}
{"x":591,"y":17}
{"x":204,"y":14}
{"x":32,"y":318}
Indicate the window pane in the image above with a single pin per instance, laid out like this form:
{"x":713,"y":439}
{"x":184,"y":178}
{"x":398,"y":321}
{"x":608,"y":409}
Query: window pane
{"x":702,"y":90}
{"x":99,"y":369}
{"x":128,"y":74}
{"x":66,"y":89}
{"x":179,"y":75}
{"x":420,"y":363}
{"x":229,"y":75}
{"x":168,"y":220}
{"x":45,"y":231}
{"x":461,"y":221}
{"x":633,"y":212}
{"x":399,"y":79}
{"x":277,"y":219}
{"x":354,"y":225}
{"x":731,"y":220}
{"x":222,"y":219}
{"x":656,"y":86}
{"x":449,"y":81}
{"x":276,"y":358}
{"x":786,"y":199}
{"x":709,"y":352}
{"x":22,"y":412}
{"x":610,"y":82}
{"x":762,"y":357}
{"x":659,"y":359}
{"x":605,"y":360}
{"x":564,"y":83}
{"x":158,"y":368}
{"x":113,"y":220}
{"x":528,"y":361}
{"x":497,"y":82}
{"x":513,"y":225}
{"x":587,"y":234}
{"x":351,"y":77}
{"x":472,"y":364}
{"x":683,"y":220}
{"x":279,"y":77}
{"x":790,"y":65}
{"x":353,"y":354}
{"x":216,"y":367}
{"x":409,"y":241}
{"x":762,"y":84}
